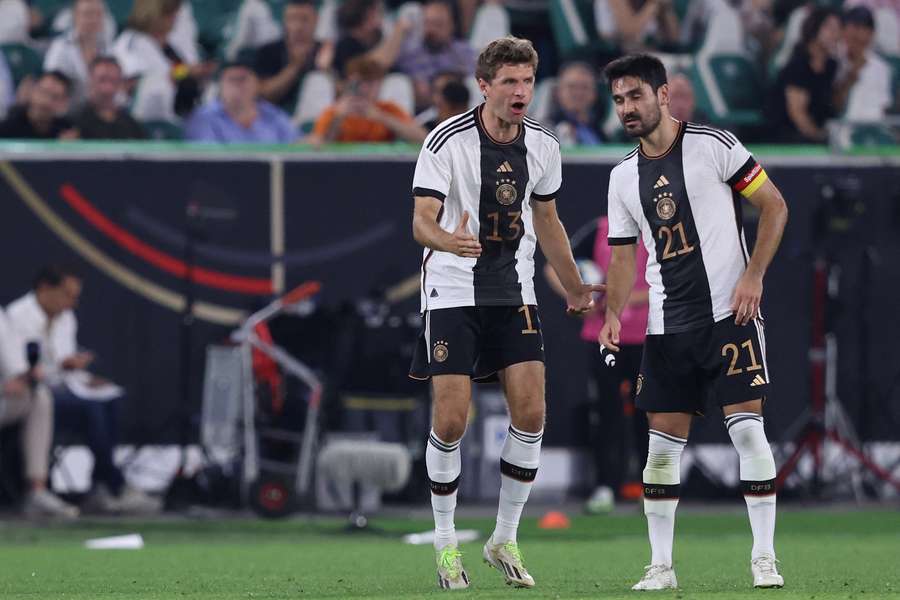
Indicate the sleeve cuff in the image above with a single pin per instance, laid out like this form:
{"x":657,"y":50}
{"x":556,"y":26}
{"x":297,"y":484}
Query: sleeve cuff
{"x":545,"y":197}
{"x":428,"y":192}
{"x":621,"y":241}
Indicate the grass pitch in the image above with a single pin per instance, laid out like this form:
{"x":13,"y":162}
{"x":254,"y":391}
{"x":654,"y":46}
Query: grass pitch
{"x":824,"y":555}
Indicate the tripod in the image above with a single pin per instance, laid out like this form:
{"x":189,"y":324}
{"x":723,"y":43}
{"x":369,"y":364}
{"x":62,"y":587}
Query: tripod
{"x":827,"y":419}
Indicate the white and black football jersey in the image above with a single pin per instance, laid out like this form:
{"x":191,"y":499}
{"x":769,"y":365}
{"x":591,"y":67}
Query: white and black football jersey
{"x":685,"y":206}
{"x":495,"y":182}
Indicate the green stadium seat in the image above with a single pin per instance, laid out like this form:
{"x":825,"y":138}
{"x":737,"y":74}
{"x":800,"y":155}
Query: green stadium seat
{"x":874,"y":134}
{"x":574,"y":30}
{"x":732,"y":92}
{"x":163,"y":130}
{"x":22,"y":61}
{"x":120,"y":9}
{"x":49,"y":8}
{"x":216,"y":19}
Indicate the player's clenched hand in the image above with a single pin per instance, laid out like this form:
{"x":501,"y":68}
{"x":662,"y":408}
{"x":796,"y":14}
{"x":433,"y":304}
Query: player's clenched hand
{"x":747,"y":295}
{"x":581,"y":301}
{"x":462,"y":243}
{"x":609,"y":335}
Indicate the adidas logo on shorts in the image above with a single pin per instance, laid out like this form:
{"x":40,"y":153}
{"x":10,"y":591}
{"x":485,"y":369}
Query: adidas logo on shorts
{"x":758,"y":380}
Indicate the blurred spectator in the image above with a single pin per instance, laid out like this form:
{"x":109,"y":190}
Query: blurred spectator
{"x":450,"y":98}
{"x":803,"y":95}
{"x":169,"y":82}
{"x":102,"y":118}
{"x":238,"y":115}
{"x":282,"y":64}
{"x":23,"y":398}
{"x":762,"y":35}
{"x":360,"y":23}
{"x":72,"y":52}
{"x":440,"y":50}
{"x":184,"y":35}
{"x":634,"y":25}
{"x":876,"y":5}
{"x":15,"y":21}
{"x":7,"y":87}
{"x":682,"y":101}
{"x":45,"y":316}
{"x":576,"y":120}
{"x":43,"y":116}
{"x":358,"y":115}
{"x":864,"y":78}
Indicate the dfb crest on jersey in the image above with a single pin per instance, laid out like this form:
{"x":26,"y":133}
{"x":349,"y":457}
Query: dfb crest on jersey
{"x":506,"y":191}
{"x":440,"y":351}
{"x":665,"y":206}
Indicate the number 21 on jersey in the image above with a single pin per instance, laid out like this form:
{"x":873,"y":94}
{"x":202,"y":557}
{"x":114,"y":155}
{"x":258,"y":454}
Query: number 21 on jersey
{"x":676,"y":243}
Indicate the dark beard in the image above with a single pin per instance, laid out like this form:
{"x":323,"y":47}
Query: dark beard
{"x":647,"y":127}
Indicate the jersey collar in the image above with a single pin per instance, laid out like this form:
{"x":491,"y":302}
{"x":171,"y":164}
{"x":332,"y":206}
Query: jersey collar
{"x":674,"y":143}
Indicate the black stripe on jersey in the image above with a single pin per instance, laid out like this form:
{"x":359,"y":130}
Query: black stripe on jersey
{"x":739,"y":222}
{"x":629,"y":155}
{"x":428,"y":257}
{"x":724,"y":132}
{"x":420,"y":191}
{"x":621,"y":241}
{"x":542,"y":130}
{"x":687,"y":301}
{"x":536,"y":125}
{"x":494,"y":276}
{"x":738,"y":206}
{"x":711,"y":133}
{"x":442,"y":129}
{"x":727,"y":134}
{"x":442,"y":139}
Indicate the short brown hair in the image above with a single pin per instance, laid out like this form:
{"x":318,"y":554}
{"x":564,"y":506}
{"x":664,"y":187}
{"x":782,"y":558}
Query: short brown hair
{"x":146,"y":14}
{"x":365,"y":68}
{"x":507,"y":50}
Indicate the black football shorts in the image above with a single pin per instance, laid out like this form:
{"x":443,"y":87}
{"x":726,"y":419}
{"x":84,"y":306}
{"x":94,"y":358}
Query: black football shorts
{"x":477,"y":341}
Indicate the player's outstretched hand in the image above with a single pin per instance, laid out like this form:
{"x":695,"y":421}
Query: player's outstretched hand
{"x":747,"y":295}
{"x":462,"y":243}
{"x":609,"y":335}
{"x":582,"y":301}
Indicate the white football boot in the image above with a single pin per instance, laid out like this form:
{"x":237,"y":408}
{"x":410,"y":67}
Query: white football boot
{"x":507,"y":558}
{"x":657,"y":577}
{"x":451,"y":574}
{"x":765,"y":573}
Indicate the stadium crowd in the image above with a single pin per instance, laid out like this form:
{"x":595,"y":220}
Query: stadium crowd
{"x":314,"y":71}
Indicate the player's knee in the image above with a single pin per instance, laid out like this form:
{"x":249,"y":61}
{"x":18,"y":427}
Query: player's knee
{"x":531,"y":419}
{"x":749,"y":438}
{"x":663,"y":459}
{"x":449,"y":430}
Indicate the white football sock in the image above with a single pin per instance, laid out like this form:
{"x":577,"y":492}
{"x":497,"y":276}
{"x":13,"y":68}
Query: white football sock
{"x":757,"y":478}
{"x":519,"y":461}
{"x":443,"y":463}
{"x":662,"y":487}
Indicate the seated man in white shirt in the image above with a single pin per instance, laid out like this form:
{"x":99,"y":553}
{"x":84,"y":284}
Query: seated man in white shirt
{"x":863,"y":88}
{"x":23,"y":398}
{"x":45,"y":316}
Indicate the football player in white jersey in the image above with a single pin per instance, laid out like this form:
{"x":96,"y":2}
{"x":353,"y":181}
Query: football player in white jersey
{"x":485,"y":193}
{"x":680,"y":193}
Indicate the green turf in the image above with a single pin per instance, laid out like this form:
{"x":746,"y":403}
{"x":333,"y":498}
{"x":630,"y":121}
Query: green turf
{"x":824,"y":555}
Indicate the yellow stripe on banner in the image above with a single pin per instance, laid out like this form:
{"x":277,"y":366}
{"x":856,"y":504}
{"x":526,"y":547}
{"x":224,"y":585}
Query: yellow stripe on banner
{"x":760,"y":179}
{"x":214,"y":313}
{"x":380,"y":404}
